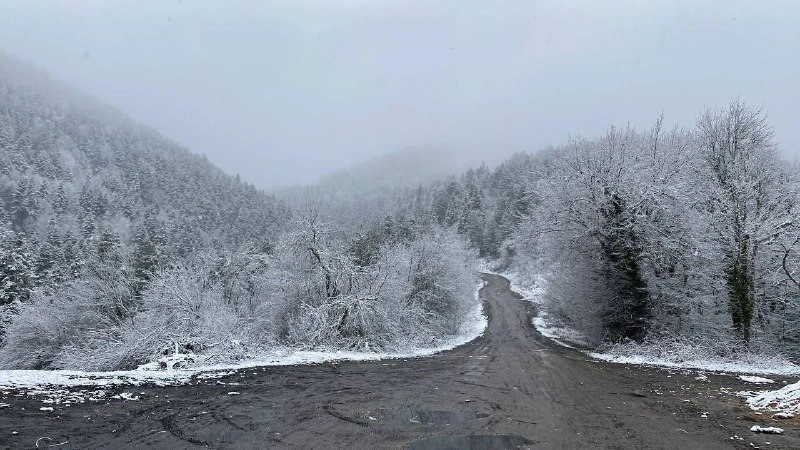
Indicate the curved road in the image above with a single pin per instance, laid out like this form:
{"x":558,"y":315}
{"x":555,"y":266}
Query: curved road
{"x":510,"y":388}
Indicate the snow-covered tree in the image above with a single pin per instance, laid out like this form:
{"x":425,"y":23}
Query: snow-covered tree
{"x":746,"y":201}
{"x":17,"y":271}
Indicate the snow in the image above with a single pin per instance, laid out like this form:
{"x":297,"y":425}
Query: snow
{"x":755,"y":380}
{"x":785,"y":400}
{"x":532,"y":290}
{"x":126,"y":396}
{"x":754,"y":364}
{"x":176,"y":371}
{"x":767,"y":430}
{"x":173,"y":361}
{"x":45,"y":438}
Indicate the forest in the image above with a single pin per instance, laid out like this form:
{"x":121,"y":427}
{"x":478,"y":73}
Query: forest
{"x":119,"y":246}
{"x":667,"y":238}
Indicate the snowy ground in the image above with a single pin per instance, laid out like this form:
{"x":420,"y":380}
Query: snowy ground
{"x":176,"y":372}
{"x":747,"y":364}
{"x":784,"y":402}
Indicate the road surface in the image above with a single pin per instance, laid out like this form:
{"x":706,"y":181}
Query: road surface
{"x":510,"y":388}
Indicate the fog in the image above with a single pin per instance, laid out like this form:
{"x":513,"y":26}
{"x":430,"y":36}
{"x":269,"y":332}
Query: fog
{"x":283,"y":92}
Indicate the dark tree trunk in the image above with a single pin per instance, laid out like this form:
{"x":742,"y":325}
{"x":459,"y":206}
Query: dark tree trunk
{"x":741,"y":296}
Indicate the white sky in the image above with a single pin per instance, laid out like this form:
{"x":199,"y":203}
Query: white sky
{"x":283,"y":91}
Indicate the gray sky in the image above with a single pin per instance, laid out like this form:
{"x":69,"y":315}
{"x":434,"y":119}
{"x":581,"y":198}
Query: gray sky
{"x":283,"y":91}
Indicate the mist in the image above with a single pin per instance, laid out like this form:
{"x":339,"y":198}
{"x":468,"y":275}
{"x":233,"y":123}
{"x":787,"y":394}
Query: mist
{"x":284,"y":92}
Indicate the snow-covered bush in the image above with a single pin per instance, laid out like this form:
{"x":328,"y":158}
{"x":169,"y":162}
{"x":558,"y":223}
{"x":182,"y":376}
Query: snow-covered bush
{"x":7,"y":313}
{"x":414,"y":294}
{"x":211,"y":304}
{"x":574,"y":297}
{"x":49,"y":325}
{"x":441,"y":273}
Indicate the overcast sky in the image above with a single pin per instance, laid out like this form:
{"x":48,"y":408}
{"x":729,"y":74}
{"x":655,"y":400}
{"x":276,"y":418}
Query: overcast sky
{"x":284,"y":91}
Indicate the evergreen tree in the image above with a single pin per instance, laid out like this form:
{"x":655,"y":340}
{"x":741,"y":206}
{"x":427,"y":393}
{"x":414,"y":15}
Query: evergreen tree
{"x":145,"y":259}
{"x":108,"y":245}
{"x":48,"y":262}
{"x":23,"y":204}
{"x":60,"y":201}
{"x":17,"y":275}
{"x":71,"y":256}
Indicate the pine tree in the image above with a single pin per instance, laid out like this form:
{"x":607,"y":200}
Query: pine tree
{"x":49,"y":262}
{"x":16,"y":268}
{"x":5,"y":218}
{"x":88,"y":225}
{"x":71,"y":256}
{"x":145,"y":259}
{"x":60,"y":201}
{"x":23,"y":204}
{"x":108,"y":245}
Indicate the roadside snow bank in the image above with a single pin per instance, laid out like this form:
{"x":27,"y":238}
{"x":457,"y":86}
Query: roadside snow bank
{"x":473,"y":326}
{"x":785,"y":400}
{"x":683,"y":356}
{"x":756,"y":380}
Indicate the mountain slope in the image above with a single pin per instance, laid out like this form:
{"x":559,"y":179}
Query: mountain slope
{"x":74,"y":172}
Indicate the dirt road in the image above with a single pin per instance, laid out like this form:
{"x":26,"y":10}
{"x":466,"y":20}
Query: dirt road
{"x":510,"y":388}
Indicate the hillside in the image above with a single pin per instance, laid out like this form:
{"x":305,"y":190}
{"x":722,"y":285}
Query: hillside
{"x":74,"y":173}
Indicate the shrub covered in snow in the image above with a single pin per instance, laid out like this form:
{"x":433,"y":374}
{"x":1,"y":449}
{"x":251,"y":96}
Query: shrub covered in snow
{"x":7,"y":313}
{"x":414,"y":294}
{"x":49,"y":326}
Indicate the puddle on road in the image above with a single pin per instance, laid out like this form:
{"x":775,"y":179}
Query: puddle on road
{"x":431,"y":417}
{"x":475,"y":442}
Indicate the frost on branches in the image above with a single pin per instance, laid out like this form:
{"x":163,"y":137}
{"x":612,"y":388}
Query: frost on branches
{"x":681,"y":236}
{"x":309,"y":293}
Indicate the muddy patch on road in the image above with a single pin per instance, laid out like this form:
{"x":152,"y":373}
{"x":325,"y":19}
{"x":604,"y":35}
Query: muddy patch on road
{"x":426,"y":416}
{"x":473,"y":442}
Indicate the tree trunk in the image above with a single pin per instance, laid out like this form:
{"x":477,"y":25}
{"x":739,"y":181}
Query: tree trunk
{"x":741,"y":294}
